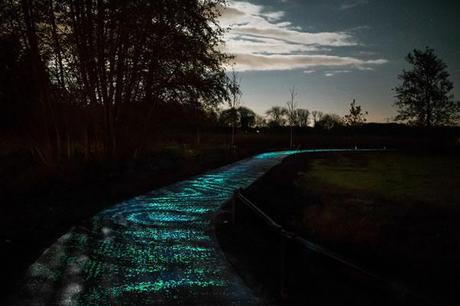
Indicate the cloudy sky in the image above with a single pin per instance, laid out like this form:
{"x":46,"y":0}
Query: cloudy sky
{"x":333,"y":51}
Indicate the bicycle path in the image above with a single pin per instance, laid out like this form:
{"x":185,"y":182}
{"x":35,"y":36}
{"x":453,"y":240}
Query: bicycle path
{"x":155,"y":249}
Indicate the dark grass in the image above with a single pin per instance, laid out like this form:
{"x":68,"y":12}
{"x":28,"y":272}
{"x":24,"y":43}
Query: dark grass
{"x":39,"y":204}
{"x":394,"y":213}
{"x":397,"y":213}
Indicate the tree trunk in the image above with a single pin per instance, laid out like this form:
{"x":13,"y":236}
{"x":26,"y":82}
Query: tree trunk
{"x":57,"y":45}
{"x":40,"y":78}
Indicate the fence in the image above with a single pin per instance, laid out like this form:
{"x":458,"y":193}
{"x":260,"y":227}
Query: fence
{"x":308,"y":273}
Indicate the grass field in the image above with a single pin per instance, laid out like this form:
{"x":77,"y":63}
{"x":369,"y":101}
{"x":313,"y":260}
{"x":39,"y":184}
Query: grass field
{"x":395,"y":213}
{"x":403,"y":206}
{"x":406,"y":179}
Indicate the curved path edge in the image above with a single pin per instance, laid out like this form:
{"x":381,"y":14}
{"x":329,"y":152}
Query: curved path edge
{"x":155,"y":249}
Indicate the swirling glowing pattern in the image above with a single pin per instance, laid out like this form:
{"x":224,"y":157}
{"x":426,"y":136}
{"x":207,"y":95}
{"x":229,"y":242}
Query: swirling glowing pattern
{"x":155,"y":249}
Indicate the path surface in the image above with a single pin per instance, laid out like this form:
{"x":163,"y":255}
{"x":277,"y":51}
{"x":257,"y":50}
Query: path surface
{"x":155,"y":249}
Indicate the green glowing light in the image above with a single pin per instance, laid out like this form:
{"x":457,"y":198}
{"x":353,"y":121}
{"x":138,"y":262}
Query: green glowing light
{"x":153,"y":249}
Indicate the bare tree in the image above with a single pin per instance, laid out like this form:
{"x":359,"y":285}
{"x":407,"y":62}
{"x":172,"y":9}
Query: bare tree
{"x":329,"y":121}
{"x":50,"y":130}
{"x":316,"y":116}
{"x":276,"y":116}
{"x":291,"y":111}
{"x":303,"y":117}
{"x":113,"y":61}
{"x":260,"y":121}
{"x":234,"y":101}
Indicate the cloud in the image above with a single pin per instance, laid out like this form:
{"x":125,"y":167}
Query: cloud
{"x":230,"y":13}
{"x":295,"y":36}
{"x":262,"y":39}
{"x":246,"y":62}
{"x":237,"y":44}
{"x":352,"y":4}
{"x":335,"y":72}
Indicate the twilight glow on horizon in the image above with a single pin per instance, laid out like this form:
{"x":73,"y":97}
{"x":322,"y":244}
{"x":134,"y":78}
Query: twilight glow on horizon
{"x":334,"y":51}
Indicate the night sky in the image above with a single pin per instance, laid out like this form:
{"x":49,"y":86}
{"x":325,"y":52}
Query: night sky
{"x":335,"y":51}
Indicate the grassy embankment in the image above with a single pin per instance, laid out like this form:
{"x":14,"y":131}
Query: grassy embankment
{"x":395,"y":213}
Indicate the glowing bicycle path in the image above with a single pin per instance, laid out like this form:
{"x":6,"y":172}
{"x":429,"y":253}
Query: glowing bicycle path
{"x":155,"y":249}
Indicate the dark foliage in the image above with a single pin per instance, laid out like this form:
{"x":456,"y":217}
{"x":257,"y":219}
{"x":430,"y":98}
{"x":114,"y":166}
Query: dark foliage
{"x":98,"y":76}
{"x":424,"y":97}
{"x":329,"y":121}
{"x":242,"y":117}
{"x":356,"y":115}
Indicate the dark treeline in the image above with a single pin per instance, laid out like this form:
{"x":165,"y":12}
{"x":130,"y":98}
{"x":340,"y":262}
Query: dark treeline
{"x":104,"y":79}
{"x":99,"y":77}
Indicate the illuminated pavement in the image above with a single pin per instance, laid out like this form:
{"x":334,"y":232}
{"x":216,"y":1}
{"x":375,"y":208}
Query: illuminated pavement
{"x":155,"y":249}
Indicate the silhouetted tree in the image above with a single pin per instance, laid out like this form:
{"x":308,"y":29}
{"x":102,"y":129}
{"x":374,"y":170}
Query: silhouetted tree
{"x":234,"y":101}
{"x":291,"y":112}
{"x":260,"y":121}
{"x":329,"y":121}
{"x":424,"y":97}
{"x":13,"y":76}
{"x":241,"y":117}
{"x":276,"y":116}
{"x":32,"y":18}
{"x":227,"y":117}
{"x":247,"y":118}
{"x":111,"y":61}
{"x":356,"y":115}
{"x":303,"y":117}
{"x":316,"y":116}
